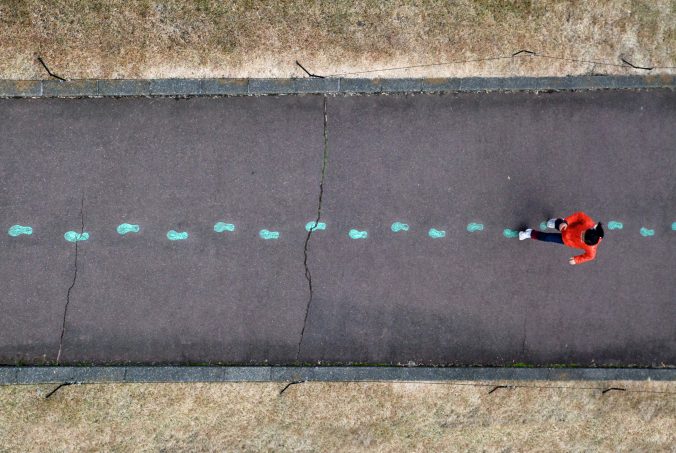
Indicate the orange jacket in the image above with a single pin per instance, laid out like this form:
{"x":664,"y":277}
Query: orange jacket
{"x":573,"y":236}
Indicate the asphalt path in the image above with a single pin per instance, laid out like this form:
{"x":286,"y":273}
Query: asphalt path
{"x":501,"y":160}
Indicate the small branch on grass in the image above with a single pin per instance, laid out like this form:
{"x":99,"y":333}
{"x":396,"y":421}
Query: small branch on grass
{"x":63,"y":384}
{"x":613,"y":388}
{"x":48,"y":71}
{"x":499,"y":387}
{"x":308,"y":72}
{"x":290,"y":384}
{"x":634,"y":66}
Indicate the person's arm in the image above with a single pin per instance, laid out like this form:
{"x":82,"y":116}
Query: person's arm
{"x":577,"y":217}
{"x":588,"y":255}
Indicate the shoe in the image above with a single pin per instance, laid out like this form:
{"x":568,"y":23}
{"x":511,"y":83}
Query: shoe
{"x":551,"y":223}
{"x":525,"y":234}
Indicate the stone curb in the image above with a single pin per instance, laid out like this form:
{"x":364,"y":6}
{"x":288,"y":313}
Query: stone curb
{"x":140,"y":374}
{"x":245,"y":87}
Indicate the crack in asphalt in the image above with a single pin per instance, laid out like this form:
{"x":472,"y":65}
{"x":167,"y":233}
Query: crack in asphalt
{"x":523,"y":342}
{"x":308,"y":275}
{"x":65,"y":308}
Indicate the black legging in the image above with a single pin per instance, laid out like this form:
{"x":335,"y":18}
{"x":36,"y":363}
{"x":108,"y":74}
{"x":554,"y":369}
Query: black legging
{"x":548,"y":237}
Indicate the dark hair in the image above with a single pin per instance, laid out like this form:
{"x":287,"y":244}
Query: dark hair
{"x":593,"y":235}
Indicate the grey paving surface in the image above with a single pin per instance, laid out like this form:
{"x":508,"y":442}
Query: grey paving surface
{"x":162,"y":164}
{"x":431,"y":161}
{"x":500,"y":160}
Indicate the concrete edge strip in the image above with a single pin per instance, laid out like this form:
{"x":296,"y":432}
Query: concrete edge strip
{"x":259,"y":87}
{"x":146,"y":374}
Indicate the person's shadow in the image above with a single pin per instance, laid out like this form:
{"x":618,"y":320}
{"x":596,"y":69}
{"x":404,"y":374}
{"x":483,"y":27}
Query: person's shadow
{"x":527,"y":205}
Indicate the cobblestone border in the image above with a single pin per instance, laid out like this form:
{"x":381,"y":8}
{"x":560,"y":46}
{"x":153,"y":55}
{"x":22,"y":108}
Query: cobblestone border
{"x":253,"y":87}
{"x":140,"y":374}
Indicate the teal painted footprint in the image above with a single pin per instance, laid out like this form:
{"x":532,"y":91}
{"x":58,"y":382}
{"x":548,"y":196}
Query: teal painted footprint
{"x":356,"y":234}
{"x":176,"y":236}
{"x":73,"y":236}
{"x":510,"y":233}
{"x":398,"y":226}
{"x":125,"y":228}
{"x":436,"y":234}
{"x":314,"y":226}
{"x":645,"y":232}
{"x":221,"y":227}
{"x":268,"y":235}
{"x":543,"y":226}
{"x":18,"y":230}
{"x":673,"y":226}
{"x":472,"y":227}
{"x":615,"y":225}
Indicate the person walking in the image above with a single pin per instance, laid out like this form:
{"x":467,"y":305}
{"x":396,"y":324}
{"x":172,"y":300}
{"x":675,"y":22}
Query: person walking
{"x":578,"y":231}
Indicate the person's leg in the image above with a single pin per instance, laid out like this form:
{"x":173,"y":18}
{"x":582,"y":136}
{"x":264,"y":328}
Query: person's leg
{"x":546,"y":237}
{"x":554,"y":223}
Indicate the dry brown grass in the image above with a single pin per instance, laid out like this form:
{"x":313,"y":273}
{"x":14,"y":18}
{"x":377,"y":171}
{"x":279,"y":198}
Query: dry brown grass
{"x":243,"y":38}
{"x":338,"y":417}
